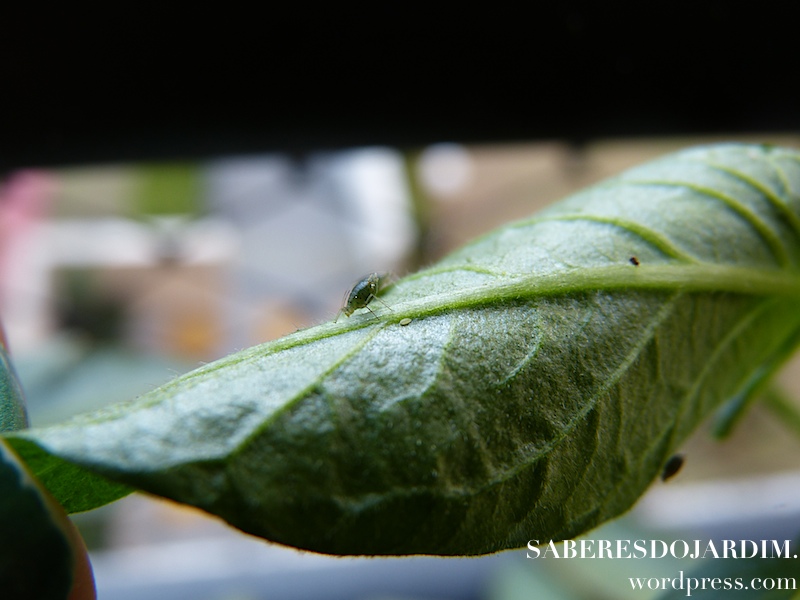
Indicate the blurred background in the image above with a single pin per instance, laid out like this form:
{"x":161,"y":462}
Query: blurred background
{"x":166,"y":201}
{"x":115,"y":278}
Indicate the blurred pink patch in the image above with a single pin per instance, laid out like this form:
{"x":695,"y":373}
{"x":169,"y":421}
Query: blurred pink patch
{"x":25,"y":198}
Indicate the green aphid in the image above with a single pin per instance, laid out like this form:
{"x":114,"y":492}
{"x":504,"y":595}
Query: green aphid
{"x":362,"y":293}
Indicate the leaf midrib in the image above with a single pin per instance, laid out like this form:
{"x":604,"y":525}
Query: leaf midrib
{"x":698,"y":277}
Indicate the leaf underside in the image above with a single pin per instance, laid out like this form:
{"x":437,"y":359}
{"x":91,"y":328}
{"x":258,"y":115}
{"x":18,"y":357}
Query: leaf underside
{"x":13,"y":415}
{"x":542,"y":383}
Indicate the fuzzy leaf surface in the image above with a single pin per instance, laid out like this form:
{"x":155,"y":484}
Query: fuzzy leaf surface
{"x":542,"y":382}
{"x":13,"y":415}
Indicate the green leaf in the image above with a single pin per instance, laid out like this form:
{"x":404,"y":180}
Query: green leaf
{"x":542,"y":382}
{"x":36,"y":559}
{"x":13,"y":415}
{"x":78,"y":488}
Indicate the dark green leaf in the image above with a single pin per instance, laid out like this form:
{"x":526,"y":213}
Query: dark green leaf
{"x":35,"y":556}
{"x":542,"y":383}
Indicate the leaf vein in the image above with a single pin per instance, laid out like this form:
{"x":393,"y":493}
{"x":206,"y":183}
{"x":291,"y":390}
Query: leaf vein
{"x":778,"y":203}
{"x":304,"y":392}
{"x":542,"y":451}
{"x":659,"y":241}
{"x":734,"y":333}
{"x":775,"y":244}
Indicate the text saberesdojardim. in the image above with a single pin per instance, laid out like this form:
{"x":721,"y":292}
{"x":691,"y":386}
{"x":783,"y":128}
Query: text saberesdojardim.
{"x":638,"y":549}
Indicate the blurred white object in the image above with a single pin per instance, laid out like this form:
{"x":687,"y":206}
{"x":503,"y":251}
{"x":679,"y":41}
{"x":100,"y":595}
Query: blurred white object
{"x":445,"y":169}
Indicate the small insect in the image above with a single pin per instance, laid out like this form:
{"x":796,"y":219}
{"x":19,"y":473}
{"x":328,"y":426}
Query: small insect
{"x":672,"y":467}
{"x":405,"y":321}
{"x":634,"y":261}
{"x":362,"y":293}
